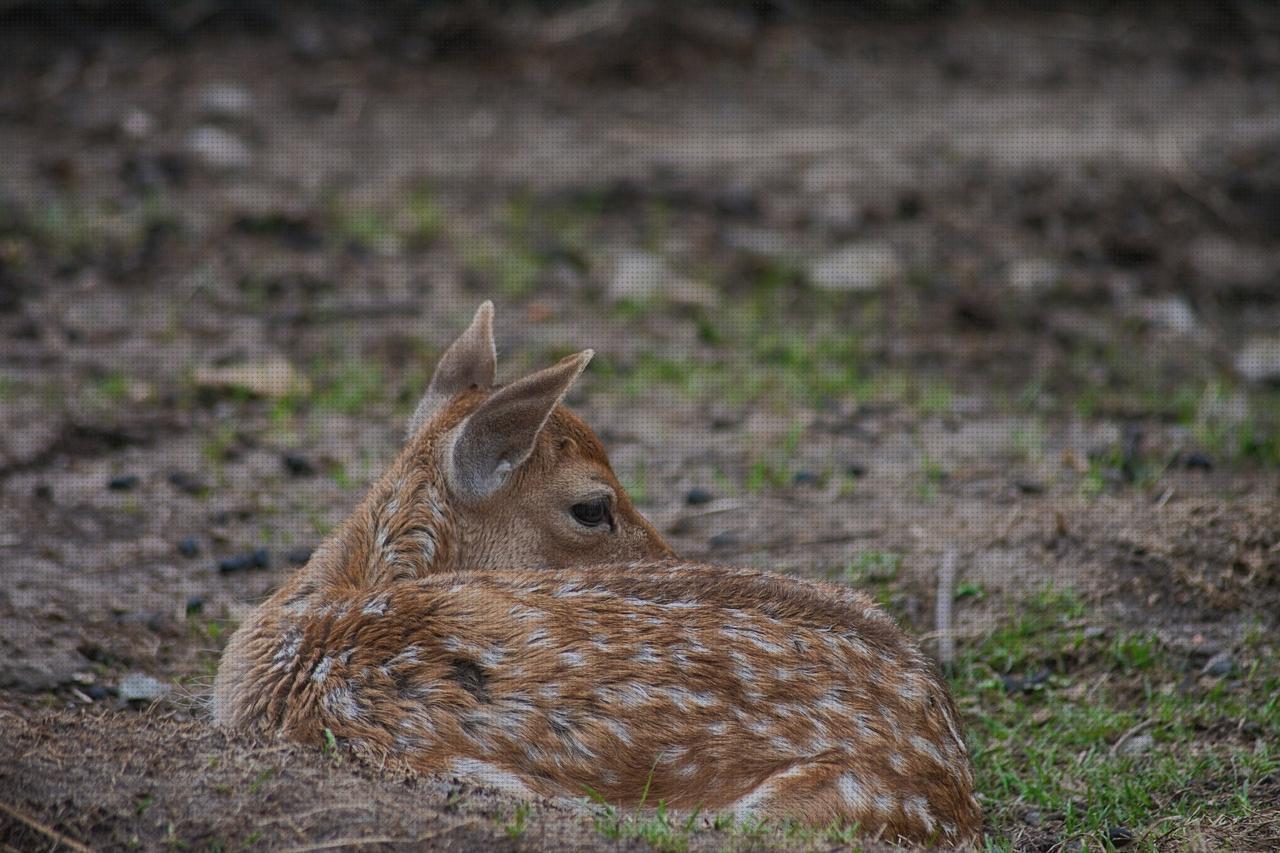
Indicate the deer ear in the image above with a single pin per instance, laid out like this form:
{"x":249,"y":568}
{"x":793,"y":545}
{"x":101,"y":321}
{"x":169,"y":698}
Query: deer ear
{"x":498,"y":437}
{"x":470,"y":361}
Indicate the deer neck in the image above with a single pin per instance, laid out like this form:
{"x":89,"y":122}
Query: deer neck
{"x":402,"y":530}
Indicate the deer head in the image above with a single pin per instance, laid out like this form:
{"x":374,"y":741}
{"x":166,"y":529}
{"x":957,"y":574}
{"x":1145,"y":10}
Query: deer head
{"x":491,"y":477}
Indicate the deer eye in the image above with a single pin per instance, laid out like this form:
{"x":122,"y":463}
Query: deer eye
{"x":592,"y":513}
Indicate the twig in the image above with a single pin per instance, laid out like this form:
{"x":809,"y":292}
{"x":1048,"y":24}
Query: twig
{"x":348,"y":842}
{"x":47,"y":831}
{"x":1115,"y":747}
{"x":942,"y":611}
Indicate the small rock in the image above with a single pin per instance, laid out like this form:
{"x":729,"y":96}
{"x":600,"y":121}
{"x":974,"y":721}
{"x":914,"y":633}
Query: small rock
{"x":138,"y":124}
{"x":855,"y":470}
{"x":1198,"y":462}
{"x":189,"y":483}
{"x":1120,"y":836}
{"x":195,"y":604}
{"x":225,"y":100}
{"x":140,"y":687}
{"x":297,"y":465}
{"x":860,"y":266}
{"x":272,"y":378}
{"x":1033,"y":275}
{"x":722,"y":540}
{"x":219,"y":149}
{"x":99,"y":692}
{"x":1172,"y":313}
{"x":1030,"y":487}
{"x":298,"y":556}
{"x":639,"y":275}
{"x":1220,"y":665}
{"x":805,"y":478}
{"x":1031,"y":817}
{"x":189,"y":547}
{"x":1139,"y":744}
{"x":1222,"y":261}
{"x":698,"y":497}
{"x":259,"y":558}
{"x":837,"y":212}
{"x":1024,"y":683}
{"x":123,"y":483}
{"x":1259,"y":360}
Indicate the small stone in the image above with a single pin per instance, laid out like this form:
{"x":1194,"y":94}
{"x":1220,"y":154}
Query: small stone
{"x":722,"y":540}
{"x":1120,"y":836}
{"x":140,"y":687}
{"x":99,"y":692}
{"x":698,"y":496}
{"x":855,"y":470}
{"x":1030,"y":487}
{"x":123,"y":483}
{"x":195,"y":604}
{"x":1259,"y":360}
{"x":298,"y":556}
{"x":259,"y":558}
{"x":1172,"y":313}
{"x":226,"y":100}
{"x":189,"y":547}
{"x":1198,"y":462}
{"x":639,"y":275}
{"x":138,"y":124}
{"x":1033,"y":275}
{"x":1220,"y":665}
{"x":805,"y":478}
{"x":1031,"y":817}
{"x":219,"y":149}
{"x":272,"y":378}
{"x":863,"y":266}
{"x":297,"y":465}
{"x":188,"y":483}
{"x":1139,"y":744}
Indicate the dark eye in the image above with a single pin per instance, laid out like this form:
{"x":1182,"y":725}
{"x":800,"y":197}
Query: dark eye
{"x":592,"y":513}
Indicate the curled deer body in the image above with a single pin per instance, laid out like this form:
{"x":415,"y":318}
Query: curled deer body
{"x":497,"y":610}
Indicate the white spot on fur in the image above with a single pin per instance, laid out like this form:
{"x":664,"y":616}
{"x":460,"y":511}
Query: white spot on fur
{"x":376,"y":607}
{"x":922,"y":745}
{"x":321,"y":671}
{"x":853,"y":793}
{"x":897,"y":762}
{"x":490,"y":776}
{"x":918,"y":808}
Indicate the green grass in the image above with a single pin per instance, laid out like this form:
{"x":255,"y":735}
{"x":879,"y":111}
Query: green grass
{"x":1058,"y":748}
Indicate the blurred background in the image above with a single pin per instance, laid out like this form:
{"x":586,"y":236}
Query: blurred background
{"x":867,"y":283}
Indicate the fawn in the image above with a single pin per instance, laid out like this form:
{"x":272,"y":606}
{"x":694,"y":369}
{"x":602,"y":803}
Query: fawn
{"x":497,"y":610}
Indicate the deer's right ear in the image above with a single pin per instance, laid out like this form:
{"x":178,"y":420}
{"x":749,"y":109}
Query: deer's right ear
{"x":498,"y":436}
{"x":470,"y":362}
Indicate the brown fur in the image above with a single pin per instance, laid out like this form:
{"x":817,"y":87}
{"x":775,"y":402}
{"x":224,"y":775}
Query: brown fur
{"x":490,"y":640}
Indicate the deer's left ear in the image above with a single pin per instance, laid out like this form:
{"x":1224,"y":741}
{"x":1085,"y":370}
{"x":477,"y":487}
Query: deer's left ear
{"x":498,"y":436}
{"x":470,"y":362}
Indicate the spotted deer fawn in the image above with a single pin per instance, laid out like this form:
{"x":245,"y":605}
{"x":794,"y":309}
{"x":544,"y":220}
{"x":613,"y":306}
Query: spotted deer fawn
{"x":498,"y":611}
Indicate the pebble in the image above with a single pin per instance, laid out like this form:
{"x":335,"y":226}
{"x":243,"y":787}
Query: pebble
{"x":698,"y":497}
{"x":188,"y":483}
{"x":140,"y":687}
{"x":805,"y":478}
{"x":856,"y":470}
{"x":195,"y":604}
{"x":99,"y":692}
{"x":722,"y":540}
{"x":1198,"y":462}
{"x":1139,"y":744}
{"x":1120,"y":836}
{"x":226,"y":100}
{"x":1259,"y":360}
{"x":1220,"y":665}
{"x":219,"y":149}
{"x":189,"y":547}
{"x":1033,"y":275}
{"x":1024,"y":683}
{"x":297,"y":465}
{"x":123,"y":483}
{"x":863,"y":266}
{"x":259,"y":558}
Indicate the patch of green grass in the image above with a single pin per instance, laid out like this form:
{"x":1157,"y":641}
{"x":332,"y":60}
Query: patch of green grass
{"x":516,"y":826}
{"x":873,"y":566}
{"x":351,"y":387}
{"x":1115,"y":733}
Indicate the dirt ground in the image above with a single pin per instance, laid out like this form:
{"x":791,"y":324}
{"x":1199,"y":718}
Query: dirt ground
{"x":862,"y":288}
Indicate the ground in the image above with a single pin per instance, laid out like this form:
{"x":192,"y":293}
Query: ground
{"x":864,"y":291}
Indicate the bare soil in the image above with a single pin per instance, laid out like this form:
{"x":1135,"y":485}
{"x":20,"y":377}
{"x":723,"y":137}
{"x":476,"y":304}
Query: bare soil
{"x":1084,"y":209}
